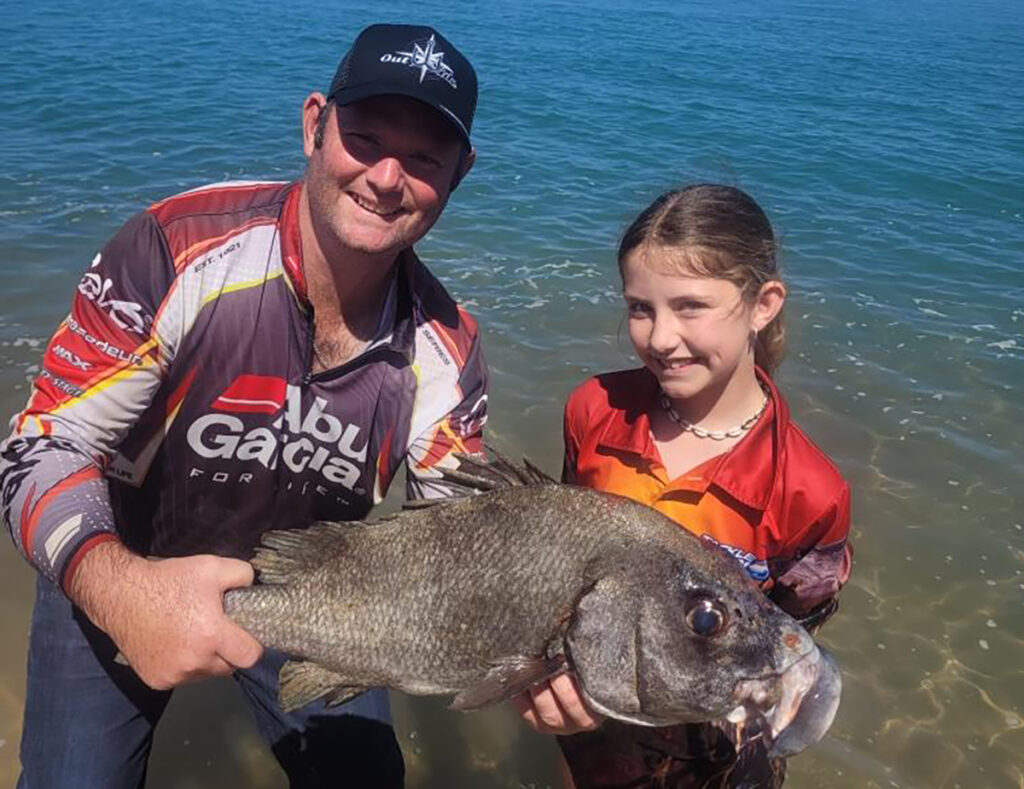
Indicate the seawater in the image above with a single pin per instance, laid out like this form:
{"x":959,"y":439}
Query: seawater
{"x":886,"y":141}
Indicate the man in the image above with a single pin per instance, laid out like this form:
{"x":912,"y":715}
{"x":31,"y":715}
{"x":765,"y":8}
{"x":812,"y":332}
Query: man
{"x":239,"y":358}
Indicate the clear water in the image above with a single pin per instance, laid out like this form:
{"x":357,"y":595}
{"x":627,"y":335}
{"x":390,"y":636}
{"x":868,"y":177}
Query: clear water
{"x":885,"y":140}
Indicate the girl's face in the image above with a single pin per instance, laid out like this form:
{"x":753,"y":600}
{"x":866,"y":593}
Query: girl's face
{"x":693,"y":332}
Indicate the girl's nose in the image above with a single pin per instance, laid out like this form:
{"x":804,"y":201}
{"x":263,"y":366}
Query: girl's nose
{"x":664,"y":338}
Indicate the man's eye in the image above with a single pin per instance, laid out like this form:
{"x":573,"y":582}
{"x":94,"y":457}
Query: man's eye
{"x":426,"y":160}
{"x":361,"y":139}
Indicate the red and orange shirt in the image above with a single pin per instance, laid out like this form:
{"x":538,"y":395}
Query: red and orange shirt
{"x":774,"y":501}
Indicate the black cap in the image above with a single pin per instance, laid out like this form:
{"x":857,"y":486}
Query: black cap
{"x":409,"y":60}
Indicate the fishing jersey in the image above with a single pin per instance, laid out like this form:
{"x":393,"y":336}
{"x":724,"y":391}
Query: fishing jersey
{"x":774,"y":501}
{"x":176,"y":408}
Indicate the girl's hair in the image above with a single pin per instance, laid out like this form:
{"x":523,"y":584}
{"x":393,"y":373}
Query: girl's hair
{"x":713,"y":231}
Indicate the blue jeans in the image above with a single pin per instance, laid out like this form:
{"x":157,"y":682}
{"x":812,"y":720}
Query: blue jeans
{"x":89,"y":721}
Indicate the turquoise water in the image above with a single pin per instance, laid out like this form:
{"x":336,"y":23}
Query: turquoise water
{"x":885,"y":140}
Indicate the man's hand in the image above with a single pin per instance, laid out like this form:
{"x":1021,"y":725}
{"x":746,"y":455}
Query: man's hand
{"x":166,"y":615}
{"x":556,"y":707}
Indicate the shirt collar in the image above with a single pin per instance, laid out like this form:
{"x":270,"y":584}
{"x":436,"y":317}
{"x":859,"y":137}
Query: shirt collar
{"x":291,"y":244}
{"x":384,"y":333}
{"x":747,"y":473}
{"x":630,"y":428}
{"x":406,"y":303}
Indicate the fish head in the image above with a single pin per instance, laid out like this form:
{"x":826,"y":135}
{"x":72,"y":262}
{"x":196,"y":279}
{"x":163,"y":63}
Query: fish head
{"x":691,"y":641}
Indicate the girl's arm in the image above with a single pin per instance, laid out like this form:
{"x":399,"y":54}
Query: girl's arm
{"x":807,"y":585}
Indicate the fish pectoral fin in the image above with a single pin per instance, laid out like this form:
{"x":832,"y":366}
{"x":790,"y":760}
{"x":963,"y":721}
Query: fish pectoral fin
{"x":341,"y":694}
{"x":507,"y":678}
{"x":301,"y":682}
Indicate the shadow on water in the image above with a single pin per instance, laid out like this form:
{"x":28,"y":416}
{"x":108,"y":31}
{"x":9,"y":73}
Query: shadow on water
{"x":362,"y":751}
{"x":208,"y":738}
{"x":486,"y":749}
{"x":437,"y":753}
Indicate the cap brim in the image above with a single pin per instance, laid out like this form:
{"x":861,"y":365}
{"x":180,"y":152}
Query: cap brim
{"x":356,"y":93}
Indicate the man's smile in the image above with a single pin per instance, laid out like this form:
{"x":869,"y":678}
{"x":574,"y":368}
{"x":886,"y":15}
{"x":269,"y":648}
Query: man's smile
{"x":366,"y":205}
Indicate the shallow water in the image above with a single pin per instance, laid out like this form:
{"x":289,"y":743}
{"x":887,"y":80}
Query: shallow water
{"x":885,"y":142}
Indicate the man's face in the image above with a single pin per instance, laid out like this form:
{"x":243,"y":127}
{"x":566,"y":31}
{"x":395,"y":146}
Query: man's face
{"x":382,"y":175}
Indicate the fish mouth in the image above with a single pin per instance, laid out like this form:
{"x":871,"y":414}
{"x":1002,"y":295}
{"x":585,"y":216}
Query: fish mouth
{"x":790,"y":712}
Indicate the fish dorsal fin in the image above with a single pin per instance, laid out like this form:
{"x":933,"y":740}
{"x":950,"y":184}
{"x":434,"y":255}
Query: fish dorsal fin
{"x":479,"y":474}
{"x":286,"y":554}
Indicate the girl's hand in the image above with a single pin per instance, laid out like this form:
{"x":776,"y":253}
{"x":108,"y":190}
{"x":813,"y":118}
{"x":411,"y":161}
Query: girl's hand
{"x":557,"y":707}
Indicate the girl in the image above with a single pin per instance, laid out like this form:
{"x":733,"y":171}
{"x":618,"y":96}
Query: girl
{"x":701,"y":433}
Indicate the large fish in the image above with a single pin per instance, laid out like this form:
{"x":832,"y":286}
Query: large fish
{"x":483,"y":596}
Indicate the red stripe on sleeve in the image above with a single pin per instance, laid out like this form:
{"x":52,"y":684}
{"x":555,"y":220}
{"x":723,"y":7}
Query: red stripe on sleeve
{"x":72,"y":566}
{"x":32,"y":514}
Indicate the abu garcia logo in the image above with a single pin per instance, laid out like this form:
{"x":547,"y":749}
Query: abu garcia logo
{"x":315,"y":441}
{"x":426,"y":59}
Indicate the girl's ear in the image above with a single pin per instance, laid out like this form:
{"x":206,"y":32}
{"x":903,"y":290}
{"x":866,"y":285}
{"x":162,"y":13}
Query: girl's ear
{"x":768,"y":304}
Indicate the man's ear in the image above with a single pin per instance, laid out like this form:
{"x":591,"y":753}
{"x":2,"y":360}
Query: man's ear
{"x":768,"y":304}
{"x":466,"y":161}
{"x":312,"y":109}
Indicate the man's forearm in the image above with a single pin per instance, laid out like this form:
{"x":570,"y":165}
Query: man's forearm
{"x":166,"y":616}
{"x":100,"y":581}
{"x":54,"y":501}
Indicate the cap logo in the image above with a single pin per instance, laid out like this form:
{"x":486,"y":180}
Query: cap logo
{"x":425,"y":60}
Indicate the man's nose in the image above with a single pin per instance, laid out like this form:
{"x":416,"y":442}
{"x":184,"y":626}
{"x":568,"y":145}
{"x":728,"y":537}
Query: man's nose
{"x":386,"y":174}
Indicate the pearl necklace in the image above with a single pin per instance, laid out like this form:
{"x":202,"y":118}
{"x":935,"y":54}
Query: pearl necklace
{"x":715,"y":435}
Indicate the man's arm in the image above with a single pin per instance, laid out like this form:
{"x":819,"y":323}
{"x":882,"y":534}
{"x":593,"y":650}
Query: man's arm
{"x":458,"y":431}
{"x":167,"y":615}
{"x":100,"y":372}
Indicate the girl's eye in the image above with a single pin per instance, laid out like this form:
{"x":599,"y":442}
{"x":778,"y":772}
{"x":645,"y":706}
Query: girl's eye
{"x":637,"y":309}
{"x":689,"y":306}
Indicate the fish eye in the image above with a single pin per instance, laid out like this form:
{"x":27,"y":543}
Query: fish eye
{"x":705,"y":618}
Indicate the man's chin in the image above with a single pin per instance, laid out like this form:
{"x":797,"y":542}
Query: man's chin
{"x":376,"y":247}
{"x":378,"y":241}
